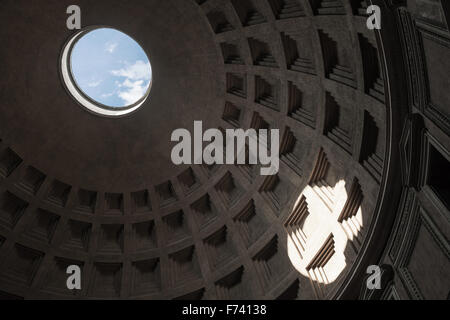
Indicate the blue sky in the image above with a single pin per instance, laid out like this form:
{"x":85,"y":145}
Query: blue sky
{"x":111,"y":68}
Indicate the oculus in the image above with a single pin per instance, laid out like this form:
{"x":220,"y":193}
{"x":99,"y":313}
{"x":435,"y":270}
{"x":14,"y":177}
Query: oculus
{"x":106,"y":71}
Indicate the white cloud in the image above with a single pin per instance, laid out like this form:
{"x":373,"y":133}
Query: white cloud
{"x":94,"y":84}
{"x":135,"y":90}
{"x":137,"y":71}
{"x":111,"y":47}
{"x":138,"y":77}
{"x":107,"y":95}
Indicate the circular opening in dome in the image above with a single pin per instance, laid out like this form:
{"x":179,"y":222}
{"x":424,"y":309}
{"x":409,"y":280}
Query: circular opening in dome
{"x":106,"y":71}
